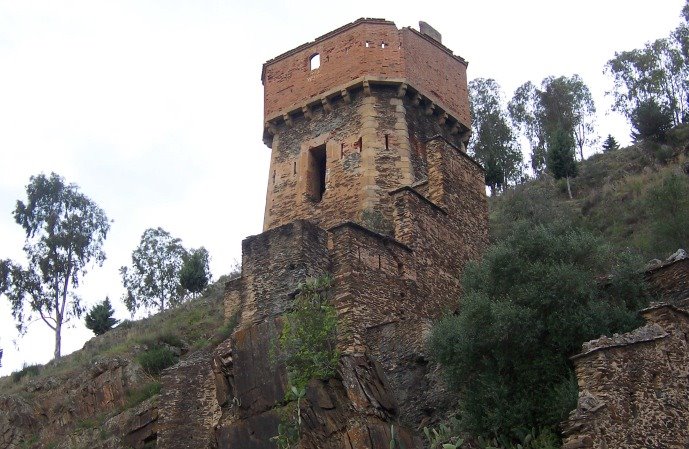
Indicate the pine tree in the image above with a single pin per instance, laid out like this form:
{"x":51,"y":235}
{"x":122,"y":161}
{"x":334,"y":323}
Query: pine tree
{"x":561,"y":157}
{"x":195,"y":274}
{"x":610,"y":144}
{"x":99,"y":319}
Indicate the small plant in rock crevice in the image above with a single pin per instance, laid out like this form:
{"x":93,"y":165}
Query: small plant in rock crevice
{"x":308,"y":348}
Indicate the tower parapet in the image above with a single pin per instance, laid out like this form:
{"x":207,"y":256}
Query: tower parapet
{"x":372,"y":51}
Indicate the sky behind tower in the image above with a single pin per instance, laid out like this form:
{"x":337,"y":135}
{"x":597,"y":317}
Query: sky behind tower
{"x":154,"y":107}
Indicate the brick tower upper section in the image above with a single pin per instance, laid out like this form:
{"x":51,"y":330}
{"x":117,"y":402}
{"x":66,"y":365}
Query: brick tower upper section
{"x":352,"y":116}
{"x":367,"y":48}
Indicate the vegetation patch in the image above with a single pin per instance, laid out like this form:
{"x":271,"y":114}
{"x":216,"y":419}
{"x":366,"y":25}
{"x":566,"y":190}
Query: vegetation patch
{"x":528,"y":306}
{"x":156,"y":359}
{"x":26,"y":371}
{"x":308,"y":348}
{"x":136,"y":396}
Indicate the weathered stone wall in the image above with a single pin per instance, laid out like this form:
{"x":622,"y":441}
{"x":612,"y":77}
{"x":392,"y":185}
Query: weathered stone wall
{"x":273,"y":265}
{"x":372,"y":48}
{"x":671,"y":279}
{"x":634,"y":388}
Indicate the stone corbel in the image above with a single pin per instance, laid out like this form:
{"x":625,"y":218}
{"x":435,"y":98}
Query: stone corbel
{"x":455,"y":129}
{"x":327,"y":107}
{"x":416,"y":100}
{"x":442,"y":118}
{"x":367,"y":88}
{"x":288,"y":119}
{"x":430,"y":108}
{"x":402,"y":91}
{"x":345,"y":96}
{"x":270,"y":128}
{"x":464,"y":137}
{"x":307,"y":112}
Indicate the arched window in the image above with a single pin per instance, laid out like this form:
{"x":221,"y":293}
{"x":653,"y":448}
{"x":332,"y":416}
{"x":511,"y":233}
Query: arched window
{"x":314,"y":61}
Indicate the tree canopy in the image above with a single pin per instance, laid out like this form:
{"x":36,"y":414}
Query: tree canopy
{"x":65,"y":231}
{"x":493,"y":144}
{"x":99,"y":319}
{"x":562,"y":104}
{"x":610,"y":144}
{"x":153,"y":281}
{"x":195,"y":273}
{"x":526,"y":308}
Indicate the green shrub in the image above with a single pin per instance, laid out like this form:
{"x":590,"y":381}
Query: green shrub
{"x":26,"y":371}
{"x":526,"y":308}
{"x":156,"y":359}
{"x":650,"y":120}
{"x":139,"y":395}
{"x":308,"y":338}
{"x":668,"y":206}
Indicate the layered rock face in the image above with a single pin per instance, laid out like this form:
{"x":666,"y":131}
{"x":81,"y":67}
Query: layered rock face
{"x":61,"y":413}
{"x":369,"y":183}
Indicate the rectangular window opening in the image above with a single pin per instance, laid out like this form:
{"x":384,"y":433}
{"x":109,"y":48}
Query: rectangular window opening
{"x":316,"y":173}
{"x":387,"y":139}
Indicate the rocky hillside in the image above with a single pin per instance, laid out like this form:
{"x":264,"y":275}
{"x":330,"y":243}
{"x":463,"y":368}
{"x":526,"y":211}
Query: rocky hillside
{"x":105,"y":395}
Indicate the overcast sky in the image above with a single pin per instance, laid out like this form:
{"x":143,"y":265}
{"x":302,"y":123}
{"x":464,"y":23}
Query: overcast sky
{"x":154,"y":108}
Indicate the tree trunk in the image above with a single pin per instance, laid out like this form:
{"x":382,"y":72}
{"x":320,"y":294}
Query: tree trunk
{"x":569,"y":189}
{"x":58,"y":337}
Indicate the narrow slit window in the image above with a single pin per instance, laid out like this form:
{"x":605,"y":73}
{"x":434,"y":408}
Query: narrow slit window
{"x":360,"y":144}
{"x":341,"y":150}
{"x":314,"y":61}
{"x":383,"y":45}
{"x":387,"y":141}
{"x":316,"y":173}
{"x":294,"y":172}
{"x":369,"y":44}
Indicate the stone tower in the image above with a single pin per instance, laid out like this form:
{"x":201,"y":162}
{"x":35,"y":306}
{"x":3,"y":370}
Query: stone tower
{"x":369,"y":182}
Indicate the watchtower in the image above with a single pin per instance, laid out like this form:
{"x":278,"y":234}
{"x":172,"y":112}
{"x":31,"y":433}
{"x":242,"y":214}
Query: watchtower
{"x":349,"y":116}
{"x":370,"y":183}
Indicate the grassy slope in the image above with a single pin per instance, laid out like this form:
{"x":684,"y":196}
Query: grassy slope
{"x":193,"y":325}
{"x":610,"y":194}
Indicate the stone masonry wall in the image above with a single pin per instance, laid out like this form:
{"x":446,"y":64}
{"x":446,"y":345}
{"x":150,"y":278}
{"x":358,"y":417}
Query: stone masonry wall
{"x":671,"y":279}
{"x":634,"y":388}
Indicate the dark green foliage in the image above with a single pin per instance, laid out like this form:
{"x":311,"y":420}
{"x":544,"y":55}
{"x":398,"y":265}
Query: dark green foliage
{"x":657,"y":72}
{"x":156,"y":359}
{"x":65,"y":231}
{"x":650,"y":121}
{"x":195,"y":273}
{"x":561,"y":161}
{"x":99,"y":319}
{"x":562,"y":104}
{"x":527,"y":307}
{"x":493,"y":144}
{"x":139,"y":395}
{"x":668,"y":208}
{"x":561,"y":158}
{"x":610,"y":144}
{"x":308,"y":338}
{"x":26,"y":371}
{"x":153,"y":278}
